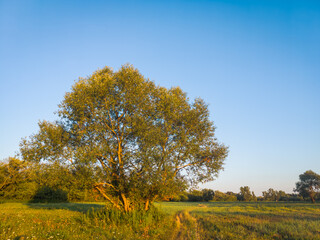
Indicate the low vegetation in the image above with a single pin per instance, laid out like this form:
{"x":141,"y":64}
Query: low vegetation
{"x":80,"y":221}
{"x":248,"y":220}
{"x":169,"y":220}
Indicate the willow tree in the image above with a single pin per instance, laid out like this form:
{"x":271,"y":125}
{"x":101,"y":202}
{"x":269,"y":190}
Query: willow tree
{"x":149,"y":141}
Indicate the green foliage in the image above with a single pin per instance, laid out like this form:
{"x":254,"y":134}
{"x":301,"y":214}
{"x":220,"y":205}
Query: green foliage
{"x":270,"y":195}
{"x":16,"y":179}
{"x":49,"y":144}
{"x":20,"y":180}
{"x":246,"y":195}
{"x":207,"y":194}
{"x":294,"y":198}
{"x":47,"y":194}
{"x":203,"y":195}
{"x":77,"y":180}
{"x":224,"y":197}
{"x":273,"y":195}
{"x":179,"y":197}
{"x":148,"y":142}
{"x":137,"y":219}
{"x":282,"y":196}
{"x":195,"y":196}
{"x":309,"y":185}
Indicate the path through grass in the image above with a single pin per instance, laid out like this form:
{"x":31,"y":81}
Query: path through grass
{"x":249,"y":220}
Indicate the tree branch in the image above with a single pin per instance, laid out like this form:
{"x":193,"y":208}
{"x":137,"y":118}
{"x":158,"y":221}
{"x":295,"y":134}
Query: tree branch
{"x":108,"y":198}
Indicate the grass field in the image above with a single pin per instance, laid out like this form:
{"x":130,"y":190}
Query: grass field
{"x":245,"y":220}
{"x":180,"y":221}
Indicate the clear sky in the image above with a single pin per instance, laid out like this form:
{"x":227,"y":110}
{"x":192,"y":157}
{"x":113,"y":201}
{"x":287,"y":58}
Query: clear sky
{"x":256,"y":63}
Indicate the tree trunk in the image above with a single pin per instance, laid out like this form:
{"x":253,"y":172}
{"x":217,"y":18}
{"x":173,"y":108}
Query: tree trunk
{"x":312,"y":195}
{"x":116,"y":205}
{"x":146,"y":205}
{"x":125,"y":202}
{"x":312,"y":199}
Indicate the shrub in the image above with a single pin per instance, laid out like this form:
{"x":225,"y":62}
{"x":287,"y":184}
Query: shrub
{"x":47,"y":194}
{"x":224,"y":197}
{"x":195,"y":196}
{"x":151,"y":224}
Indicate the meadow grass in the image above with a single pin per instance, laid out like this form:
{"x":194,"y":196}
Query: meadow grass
{"x":179,"y":220}
{"x":250,"y":220}
{"x":78,"y":221}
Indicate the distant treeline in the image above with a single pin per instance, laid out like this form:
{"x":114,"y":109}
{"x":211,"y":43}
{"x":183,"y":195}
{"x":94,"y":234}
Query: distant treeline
{"x":54,"y":182}
{"x":206,"y":195}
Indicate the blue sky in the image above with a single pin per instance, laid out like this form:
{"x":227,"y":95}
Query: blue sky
{"x":256,"y":63}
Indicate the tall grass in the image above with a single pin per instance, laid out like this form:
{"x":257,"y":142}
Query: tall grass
{"x":137,"y":224}
{"x":80,"y":221}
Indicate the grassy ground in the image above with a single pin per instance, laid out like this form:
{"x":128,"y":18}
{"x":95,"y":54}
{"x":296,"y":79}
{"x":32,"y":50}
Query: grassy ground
{"x":182,"y":221}
{"x":247,"y":220}
{"x":75,"y":221}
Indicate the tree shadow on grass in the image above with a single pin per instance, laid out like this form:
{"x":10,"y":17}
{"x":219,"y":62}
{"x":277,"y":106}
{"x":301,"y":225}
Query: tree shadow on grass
{"x":49,"y":198}
{"x":77,"y":207}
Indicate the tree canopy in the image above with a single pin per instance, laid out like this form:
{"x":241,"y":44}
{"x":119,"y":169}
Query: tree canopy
{"x":147,"y":140}
{"x":309,"y":185}
{"x":246,"y":195}
{"x":273,"y":195}
{"x":14,"y":175}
